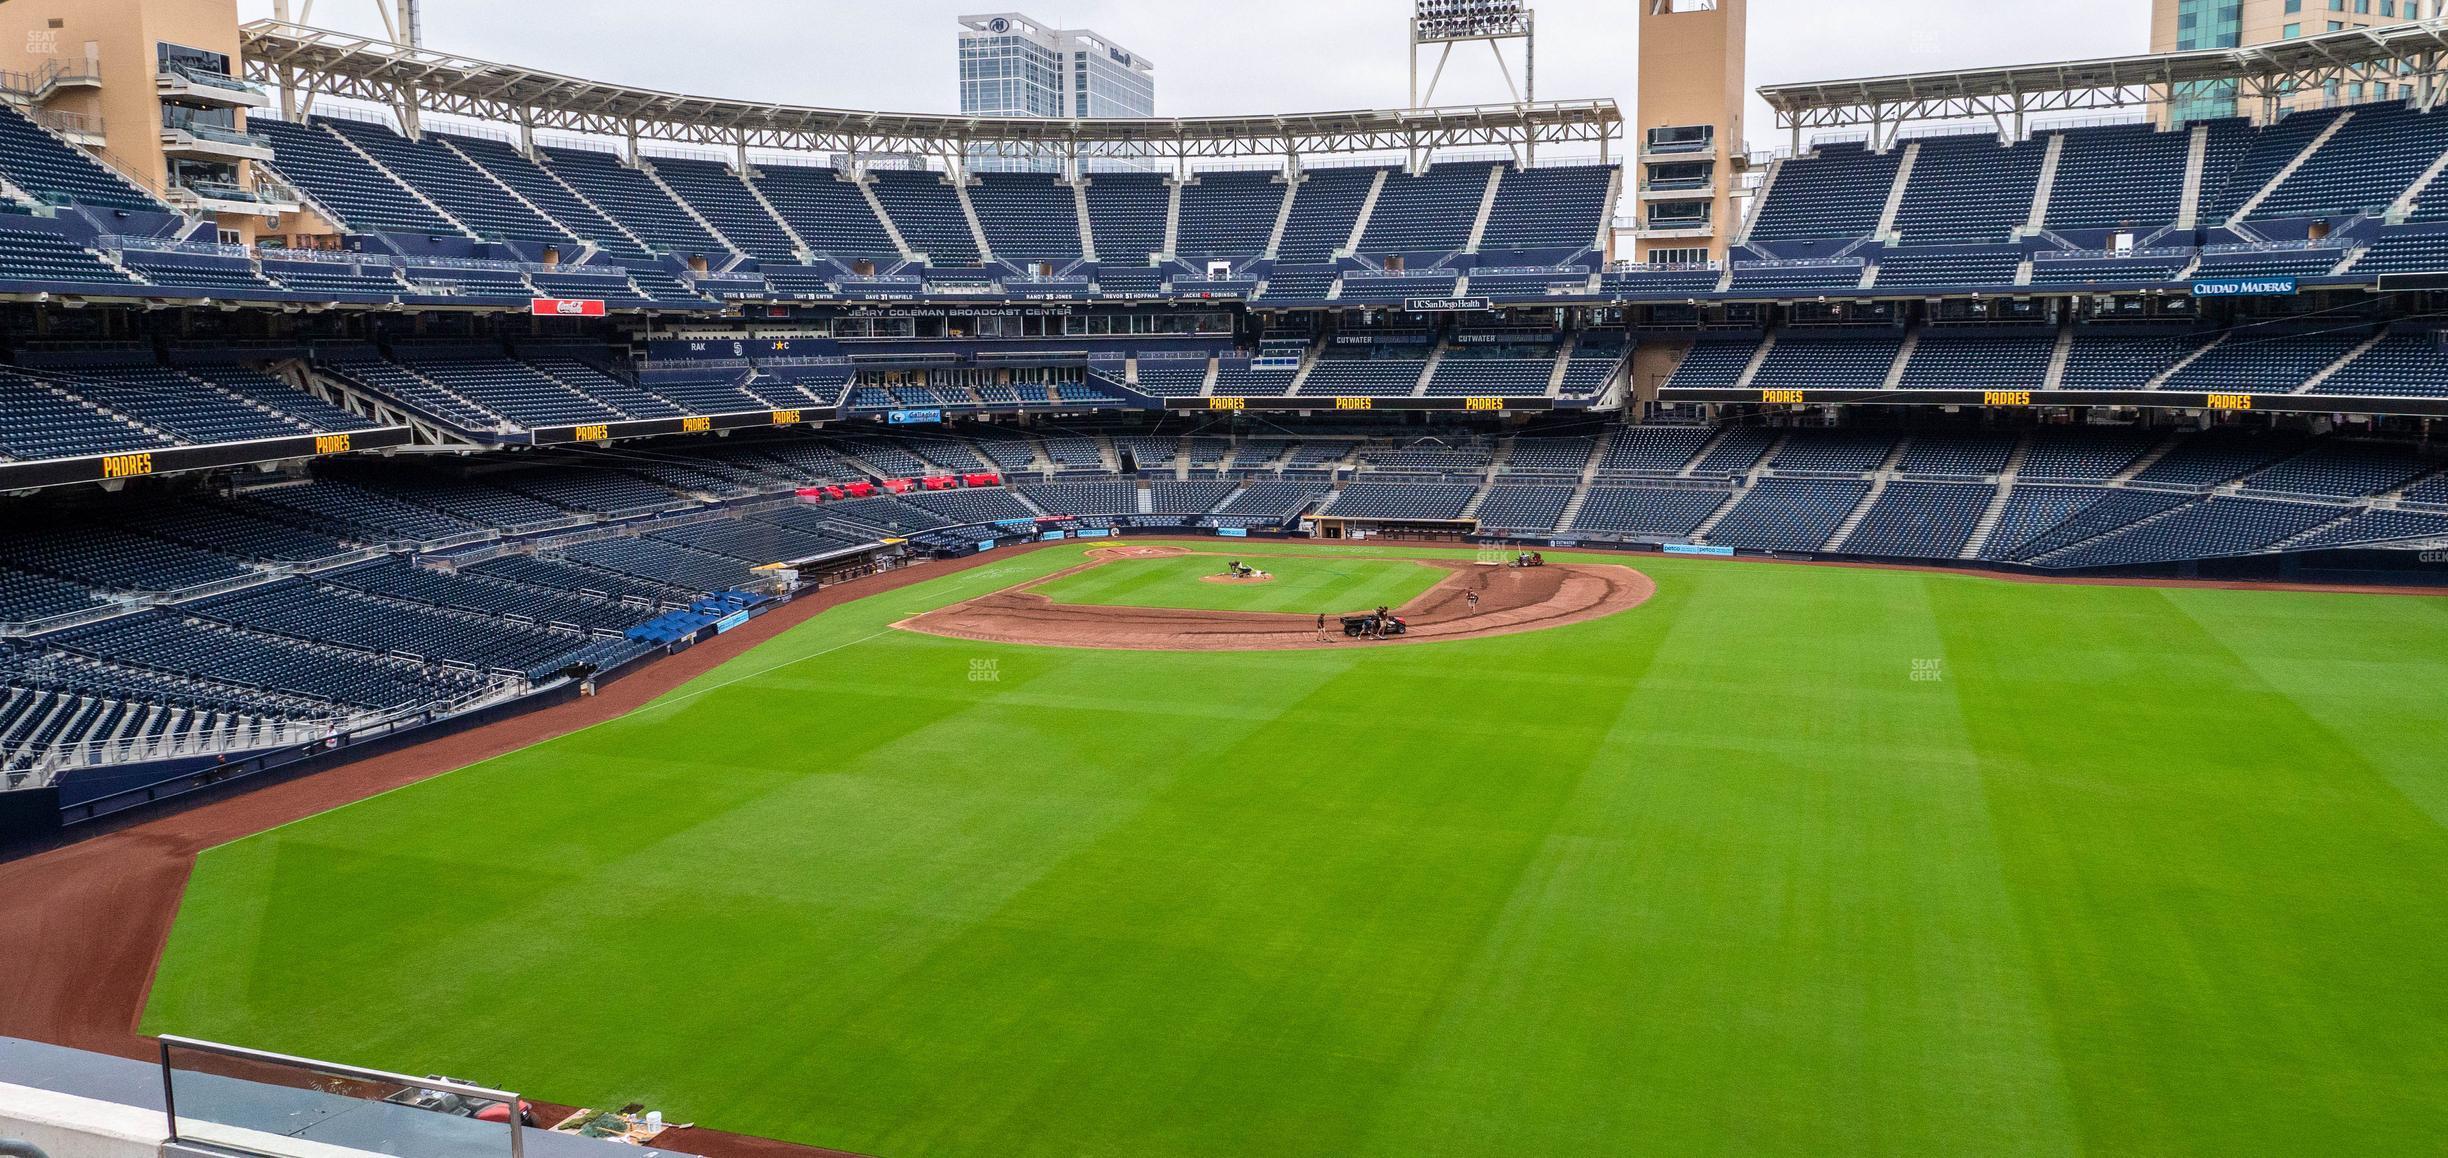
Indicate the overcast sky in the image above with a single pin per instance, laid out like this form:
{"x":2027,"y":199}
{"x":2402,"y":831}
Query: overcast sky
{"x":1234,"y":56}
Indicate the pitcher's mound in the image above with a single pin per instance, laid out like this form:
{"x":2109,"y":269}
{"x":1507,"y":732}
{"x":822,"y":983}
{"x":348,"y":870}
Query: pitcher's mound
{"x":1237,"y":580}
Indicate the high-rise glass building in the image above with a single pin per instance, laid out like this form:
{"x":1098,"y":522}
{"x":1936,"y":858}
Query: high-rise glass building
{"x":2188,"y":25}
{"x":1013,"y":65}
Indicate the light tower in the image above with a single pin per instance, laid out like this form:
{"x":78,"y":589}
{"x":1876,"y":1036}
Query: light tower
{"x":1450,"y":22}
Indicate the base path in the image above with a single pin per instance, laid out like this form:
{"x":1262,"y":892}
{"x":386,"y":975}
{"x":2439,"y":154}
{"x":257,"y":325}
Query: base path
{"x":1511,"y":599}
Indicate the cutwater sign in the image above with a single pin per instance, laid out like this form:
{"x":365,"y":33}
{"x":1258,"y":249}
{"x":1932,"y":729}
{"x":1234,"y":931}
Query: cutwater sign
{"x":2245,"y":287}
{"x":1446,"y":305}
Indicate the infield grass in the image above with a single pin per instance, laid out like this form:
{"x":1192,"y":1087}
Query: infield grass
{"x":1304,"y":584}
{"x":1790,"y":860}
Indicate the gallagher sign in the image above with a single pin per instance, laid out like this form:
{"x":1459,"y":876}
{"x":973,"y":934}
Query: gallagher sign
{"x":2245,"y":287}
{"x":566,"y":307}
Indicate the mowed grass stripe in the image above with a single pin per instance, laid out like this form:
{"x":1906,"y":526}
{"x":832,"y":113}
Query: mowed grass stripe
{"x":1716,"y":875}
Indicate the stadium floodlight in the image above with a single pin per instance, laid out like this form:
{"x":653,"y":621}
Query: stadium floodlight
{"x":1451,"y":22}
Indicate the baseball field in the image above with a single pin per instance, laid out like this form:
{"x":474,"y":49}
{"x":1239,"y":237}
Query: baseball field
{"x":1786,"y":859}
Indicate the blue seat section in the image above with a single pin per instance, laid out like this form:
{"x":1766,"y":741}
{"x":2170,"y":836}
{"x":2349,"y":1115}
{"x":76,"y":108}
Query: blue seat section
{"x":1027,"y":216}
{"x":2258,"y":261}
{"x":459,"y":188}
{"x":926,"y":209}
{"x":1593,"y":364}
{"x":1837,"y":190}
{"x":1735,"y":451}
{"x":1228,"y":214}
{"x":1492,"y":377}
{"x":632,"y":198}
{"x":2247,"y":363}
{"x":2109,"y":510}
{"x":1270,"y":502}
{"x":30,"y":256}
{"x":1834,"y":452}
{"x":1299,"y":285}
{"x":718,"y":195}
{"x":1340,"y":373}
{"x":51,"y":169}
{"x":2401,"y":366}
{"x":1104,"y":497}
{"x":2033,"y":511}
{"x":160,"y":641}
{"x":206,"y":274}
{"x":502,"y":284}
{"x":830,"y":214}
{"x":1658,"y":449}
{"x":341,"y":181}
{"x":38,"y":421}
{"x":1126,"y":215}
{"x":1432,"y":501}
{"x":2404,"y":253}
{"x":1899,"y":268}
{"x":1513,"y":286}
{"x":2341,"y":470}
{"x":1650,"y":512}
{"x":2216,"y":456}
{"x":1323,"y":211}
{"x":1928,"y":520}
{"x":1557,"y":207}
{"x":1433,"y":211}
{"x":1780,"y":277}
{"x":2089,"y":455}
{"x":1956,"y":454}
{"x":370,"y":279}
{"x":1515,"y":507}
{"x":312,"y":613}
{"x":2204,"y":529}
{"x":2139,"y":270}
{"x":1968,"y":189}
{"x":2376,"y":527}
{"x":1193,"y":497}
{"x":2119,"y":177}
{"x":1714,"y":364}
{"x":174,"y":403}
{"x":1550,"y":456}
{"x":1172,"y":378}
{"x":1652,"y":282}
{"x":1393,"y":288}
{"x":1788,"y":514}
{"x":1801,"y":360}
{"x":2373,"y":159}
{"x":566,"y":209}
{"x":416,"y":392}
{"x":2106,"y":360}
{"x":28,"y":598}
{"x":2262,"y":156}
{"x":510,"y":389}
{"x":1994,"y":362}
{"x":115,"y":558}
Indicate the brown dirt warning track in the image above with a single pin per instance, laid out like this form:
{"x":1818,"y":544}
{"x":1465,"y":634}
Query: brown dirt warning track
{"x":1511,"y":599}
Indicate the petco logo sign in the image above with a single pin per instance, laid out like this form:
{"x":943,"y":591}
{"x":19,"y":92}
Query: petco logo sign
{"x":567,"y":307}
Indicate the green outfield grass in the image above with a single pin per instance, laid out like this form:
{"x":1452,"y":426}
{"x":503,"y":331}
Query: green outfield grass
{"x":1790,"y":860}
{"x":1332,"y":584}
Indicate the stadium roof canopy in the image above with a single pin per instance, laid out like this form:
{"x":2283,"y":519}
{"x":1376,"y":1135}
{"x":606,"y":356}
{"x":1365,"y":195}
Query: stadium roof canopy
{"x":314,"y":61}
{"x":2410,"y":53}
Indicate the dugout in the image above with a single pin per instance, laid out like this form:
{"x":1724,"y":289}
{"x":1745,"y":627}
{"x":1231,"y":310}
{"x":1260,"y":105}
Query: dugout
{"x":1406,"y":530}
